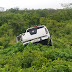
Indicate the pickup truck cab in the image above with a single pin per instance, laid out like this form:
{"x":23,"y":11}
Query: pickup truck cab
{"x":35,"y":34}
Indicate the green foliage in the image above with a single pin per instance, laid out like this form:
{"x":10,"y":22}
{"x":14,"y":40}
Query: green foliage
{"x":35,"y":57}
{"x":1,"y":47}
{"x":4,"y":41}
{"x":16,"y":57}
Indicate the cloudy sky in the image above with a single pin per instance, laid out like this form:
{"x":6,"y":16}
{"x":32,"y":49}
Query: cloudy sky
{"x":33,"y":4}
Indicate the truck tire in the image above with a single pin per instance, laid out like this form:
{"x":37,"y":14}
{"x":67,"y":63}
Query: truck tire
{"x":50,"y":41}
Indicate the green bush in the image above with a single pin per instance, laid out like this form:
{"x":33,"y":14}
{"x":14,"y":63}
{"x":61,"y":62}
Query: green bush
{"x":35,"y":57}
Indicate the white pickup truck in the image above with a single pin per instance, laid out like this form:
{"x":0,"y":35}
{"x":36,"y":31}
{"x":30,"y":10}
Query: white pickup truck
{"x":35,"y":34}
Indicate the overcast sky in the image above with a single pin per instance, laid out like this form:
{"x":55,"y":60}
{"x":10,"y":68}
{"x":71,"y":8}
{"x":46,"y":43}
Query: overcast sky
{"x":33,"y":4}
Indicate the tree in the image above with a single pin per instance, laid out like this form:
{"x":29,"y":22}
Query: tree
{"x":67,"y":5}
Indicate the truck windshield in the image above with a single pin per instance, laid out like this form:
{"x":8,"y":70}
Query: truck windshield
{"x":35,"y":28}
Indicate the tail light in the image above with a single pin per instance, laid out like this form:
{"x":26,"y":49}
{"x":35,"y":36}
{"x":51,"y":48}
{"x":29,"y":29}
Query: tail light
{"x":46,"y":31}
{"x":35,"y":26}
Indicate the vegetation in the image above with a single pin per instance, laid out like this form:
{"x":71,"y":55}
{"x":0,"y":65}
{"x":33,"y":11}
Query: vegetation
{"x":16,"y":57}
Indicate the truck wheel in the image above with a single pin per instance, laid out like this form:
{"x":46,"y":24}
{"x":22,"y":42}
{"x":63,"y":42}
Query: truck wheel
{"x":50,"y":41}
